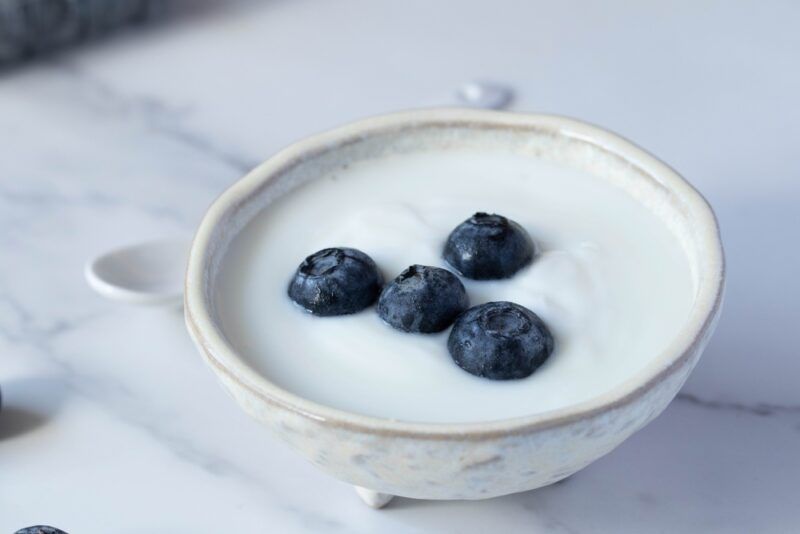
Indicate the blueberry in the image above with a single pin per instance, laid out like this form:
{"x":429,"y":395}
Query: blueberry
{"x":336,"y":281}
{"x":500,"y":340}
{"x":488,"y":247}
{"x":422,"y":299}
{"x":40,"y":529}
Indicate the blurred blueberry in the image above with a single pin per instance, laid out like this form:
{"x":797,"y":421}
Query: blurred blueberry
{"x":40,"y":529}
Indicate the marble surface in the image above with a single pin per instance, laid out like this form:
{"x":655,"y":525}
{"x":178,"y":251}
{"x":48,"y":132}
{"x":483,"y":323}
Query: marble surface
{"x":111,"y":422}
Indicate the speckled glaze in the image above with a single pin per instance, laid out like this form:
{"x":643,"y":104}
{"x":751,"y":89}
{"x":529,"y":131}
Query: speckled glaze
{"x":475,"y":460}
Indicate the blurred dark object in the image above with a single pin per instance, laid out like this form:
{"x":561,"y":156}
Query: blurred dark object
{"x":32,"y":27}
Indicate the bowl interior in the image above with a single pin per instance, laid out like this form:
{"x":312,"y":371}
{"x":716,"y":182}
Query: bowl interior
{"x":562,"y":141}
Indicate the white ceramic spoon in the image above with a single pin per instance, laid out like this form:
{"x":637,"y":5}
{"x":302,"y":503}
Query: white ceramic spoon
{"x":151,"y":273}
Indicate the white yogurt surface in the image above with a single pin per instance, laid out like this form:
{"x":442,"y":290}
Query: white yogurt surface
{"x":610,"y":281}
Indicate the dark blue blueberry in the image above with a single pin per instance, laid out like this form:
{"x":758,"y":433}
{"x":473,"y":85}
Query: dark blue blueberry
{"x":488,"y":247}
{"x":336,"y":281}
{"x":40,"y":529}
{"x":28,"y":27}
{"x":422,"y":299}
{"x":500,"y":340}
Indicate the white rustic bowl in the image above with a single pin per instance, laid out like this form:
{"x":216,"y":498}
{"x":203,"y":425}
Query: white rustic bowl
{"x":482,"y":459}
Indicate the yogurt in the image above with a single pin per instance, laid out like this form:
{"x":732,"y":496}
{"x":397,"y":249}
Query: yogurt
{"x":610,"y":280}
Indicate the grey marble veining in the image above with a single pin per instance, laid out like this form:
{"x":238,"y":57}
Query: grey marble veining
{"x":760,"y":409}
{"x":111,"y":423}
{"x":159,"y":116}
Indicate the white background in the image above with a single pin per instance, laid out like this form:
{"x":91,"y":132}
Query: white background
{"x":112,"y":424}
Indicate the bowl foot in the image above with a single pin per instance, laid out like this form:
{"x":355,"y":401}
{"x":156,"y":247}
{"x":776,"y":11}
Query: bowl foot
{"x":373,"y":499}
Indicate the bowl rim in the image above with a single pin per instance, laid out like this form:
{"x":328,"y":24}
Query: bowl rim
{"x":224,"y":358}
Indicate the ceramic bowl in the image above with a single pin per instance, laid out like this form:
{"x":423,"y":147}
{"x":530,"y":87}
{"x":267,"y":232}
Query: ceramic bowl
{"x":475,"y":460}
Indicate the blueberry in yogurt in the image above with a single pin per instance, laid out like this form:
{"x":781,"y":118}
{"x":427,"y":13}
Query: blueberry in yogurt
{"x":422,"y":299}
{"x":336,"y":281}
{"x":500,"y":341}
{"x":488,"y":247}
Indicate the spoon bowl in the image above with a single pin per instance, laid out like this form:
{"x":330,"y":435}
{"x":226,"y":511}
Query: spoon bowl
{"x":149,"y":273}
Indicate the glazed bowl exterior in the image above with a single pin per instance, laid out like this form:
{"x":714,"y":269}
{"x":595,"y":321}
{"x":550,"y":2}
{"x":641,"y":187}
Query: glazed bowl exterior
{"x":474,"y":460}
